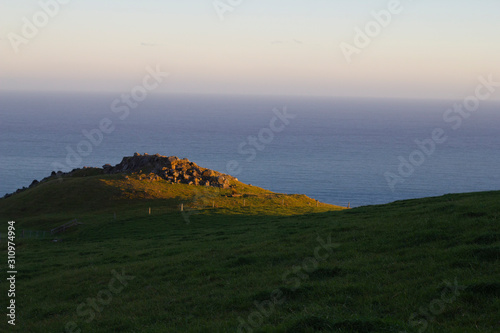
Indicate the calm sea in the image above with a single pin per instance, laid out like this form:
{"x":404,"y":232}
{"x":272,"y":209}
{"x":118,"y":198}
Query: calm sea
{"x":339,"y":151}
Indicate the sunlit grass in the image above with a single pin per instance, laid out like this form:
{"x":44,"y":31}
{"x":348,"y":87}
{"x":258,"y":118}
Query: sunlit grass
{"x":203,"y":272}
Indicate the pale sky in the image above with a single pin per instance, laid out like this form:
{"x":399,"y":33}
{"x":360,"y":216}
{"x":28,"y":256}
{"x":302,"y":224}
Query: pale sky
{"x":431,"y":49}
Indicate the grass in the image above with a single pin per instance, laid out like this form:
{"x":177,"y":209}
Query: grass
{"x":125,"y":194}
{"x":388,"y":271}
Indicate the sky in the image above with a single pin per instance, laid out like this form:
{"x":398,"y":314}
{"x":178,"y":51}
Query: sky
{"x":425,"y":49}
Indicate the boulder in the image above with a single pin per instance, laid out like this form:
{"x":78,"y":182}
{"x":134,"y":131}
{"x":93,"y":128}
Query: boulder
{"x":208,"y":173}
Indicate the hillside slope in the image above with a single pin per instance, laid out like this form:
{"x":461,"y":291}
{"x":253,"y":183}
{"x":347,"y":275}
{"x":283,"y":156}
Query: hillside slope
{"x":141,"y":182}
{"x":429,"y":265}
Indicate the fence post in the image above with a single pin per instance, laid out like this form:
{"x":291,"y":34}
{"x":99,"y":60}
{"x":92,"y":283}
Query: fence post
{"x":182,"y":207}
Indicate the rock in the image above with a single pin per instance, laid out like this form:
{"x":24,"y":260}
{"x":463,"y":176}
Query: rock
{"x":154,"y":168}
{"x":107,"y":168}
{"x":208,"y":173}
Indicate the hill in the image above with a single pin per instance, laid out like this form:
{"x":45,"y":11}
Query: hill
{"x":428,"y":265}
{"x":141,"y":182}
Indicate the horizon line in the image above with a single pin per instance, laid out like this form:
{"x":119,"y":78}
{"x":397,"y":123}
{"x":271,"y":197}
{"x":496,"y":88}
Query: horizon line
{"x":234,"y":94}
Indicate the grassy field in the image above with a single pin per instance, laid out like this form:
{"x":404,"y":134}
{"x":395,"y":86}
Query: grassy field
{"x":252,"y":262}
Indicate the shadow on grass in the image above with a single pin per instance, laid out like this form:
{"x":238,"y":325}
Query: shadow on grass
{"x":487,"y":253}
{"x":326,"y":273}
{"x":313,"y":323}
{"x":485,"y":289}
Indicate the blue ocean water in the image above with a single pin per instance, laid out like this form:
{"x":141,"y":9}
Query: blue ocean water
{"x":338,"y":151}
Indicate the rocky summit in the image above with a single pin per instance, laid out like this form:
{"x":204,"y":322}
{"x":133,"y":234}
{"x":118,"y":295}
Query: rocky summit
{"x":153,"y":168}
{"x":171,"y":169}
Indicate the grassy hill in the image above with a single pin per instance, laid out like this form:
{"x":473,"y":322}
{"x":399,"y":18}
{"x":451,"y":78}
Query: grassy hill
{"x":250,"y":260}
{"x":85,"y":193}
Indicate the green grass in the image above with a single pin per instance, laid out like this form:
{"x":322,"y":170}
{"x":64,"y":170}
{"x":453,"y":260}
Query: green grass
{"x":203,"y":273}
{"x":125,"y":194}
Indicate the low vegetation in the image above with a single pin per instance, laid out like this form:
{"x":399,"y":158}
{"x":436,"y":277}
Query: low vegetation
{"x":250,"y":260}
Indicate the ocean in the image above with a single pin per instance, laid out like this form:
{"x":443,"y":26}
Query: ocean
{"x":337,"y":150}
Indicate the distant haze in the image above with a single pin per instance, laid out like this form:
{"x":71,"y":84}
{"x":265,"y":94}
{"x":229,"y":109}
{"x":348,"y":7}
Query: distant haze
{"x":432,"y":49}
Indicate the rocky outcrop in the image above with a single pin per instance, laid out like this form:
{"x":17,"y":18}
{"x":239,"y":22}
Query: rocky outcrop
{"x":153,"y":168}
{"x":171,"y":169}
